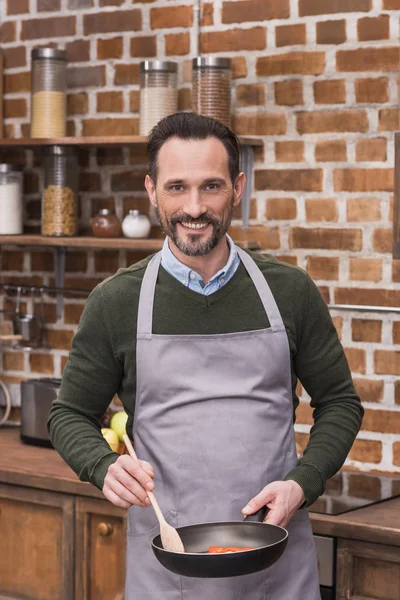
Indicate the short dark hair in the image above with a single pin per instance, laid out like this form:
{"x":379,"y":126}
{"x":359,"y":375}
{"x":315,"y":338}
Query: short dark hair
{"x":192,"y":126}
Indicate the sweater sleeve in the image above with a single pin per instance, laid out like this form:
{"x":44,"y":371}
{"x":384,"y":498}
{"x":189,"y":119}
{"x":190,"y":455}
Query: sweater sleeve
{"x":91,"y":378}
{"x":322,"y":368}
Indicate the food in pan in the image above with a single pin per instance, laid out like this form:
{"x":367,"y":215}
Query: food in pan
{"x":227,"y":550}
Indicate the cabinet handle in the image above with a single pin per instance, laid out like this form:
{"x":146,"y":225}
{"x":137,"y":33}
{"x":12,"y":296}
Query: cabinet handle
{"x":105,"y":529}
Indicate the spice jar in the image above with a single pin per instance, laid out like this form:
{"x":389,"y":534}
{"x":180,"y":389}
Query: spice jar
{"x":106,"y":224}
{"x":136,"y":225}
{"x":211,"y":87}
{"x":11,"y":213}
{"x":48,"y":92}
{"x":59,"y":200}
{"x":158,"y":92}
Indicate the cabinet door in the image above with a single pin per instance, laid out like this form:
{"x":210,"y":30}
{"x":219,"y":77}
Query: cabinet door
{"x":367,"y":571}
{"x":100,"y":550}
{"x":36,"y":544}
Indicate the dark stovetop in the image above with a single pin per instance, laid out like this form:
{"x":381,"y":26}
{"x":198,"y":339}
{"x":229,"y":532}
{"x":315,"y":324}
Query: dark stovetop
{"x":348,"y":490}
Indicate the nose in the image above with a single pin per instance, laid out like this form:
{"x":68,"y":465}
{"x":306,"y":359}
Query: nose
{"x":194,"y":205}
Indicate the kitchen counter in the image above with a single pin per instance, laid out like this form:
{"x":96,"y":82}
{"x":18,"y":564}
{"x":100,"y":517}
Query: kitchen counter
{"x":43,"y":468}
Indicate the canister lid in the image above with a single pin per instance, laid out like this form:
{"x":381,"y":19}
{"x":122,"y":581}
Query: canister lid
{"x":7,"y":168}
{"x":158,"y":65}
{"x":201,"y":62}
{"x":49,"y":53}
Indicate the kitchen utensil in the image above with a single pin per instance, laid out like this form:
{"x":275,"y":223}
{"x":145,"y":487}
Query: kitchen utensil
{"x":169,"y":538}
{"x":37,"y":396}
{"x":28,"y":326}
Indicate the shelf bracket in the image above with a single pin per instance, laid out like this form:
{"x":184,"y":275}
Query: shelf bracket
{"x":246,"y":165}
{"x":60,"y":274}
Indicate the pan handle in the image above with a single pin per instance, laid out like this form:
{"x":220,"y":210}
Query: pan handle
{"x":259,"y":516}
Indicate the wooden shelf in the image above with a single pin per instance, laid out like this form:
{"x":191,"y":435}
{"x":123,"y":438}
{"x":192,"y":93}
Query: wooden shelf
{"x":97,"y":141}
{"x":147,"y":244}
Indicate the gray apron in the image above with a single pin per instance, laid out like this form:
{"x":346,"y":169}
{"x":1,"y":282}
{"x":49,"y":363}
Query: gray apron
{"x":214,"y":416}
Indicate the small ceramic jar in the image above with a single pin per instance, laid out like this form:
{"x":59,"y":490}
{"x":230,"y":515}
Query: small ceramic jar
{"x":106,"y":224}
{"x":136,"y":225}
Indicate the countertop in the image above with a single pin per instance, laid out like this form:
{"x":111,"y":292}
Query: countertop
{"x":43,"y":468}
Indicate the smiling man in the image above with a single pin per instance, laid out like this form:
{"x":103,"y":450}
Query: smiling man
{"x":204,"y":344}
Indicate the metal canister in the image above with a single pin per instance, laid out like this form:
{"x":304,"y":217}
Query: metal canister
{"x":11,"y":209}
{"x":48,"y":92}
{"x":211,"y":87}
{"x":59,"y":200}
{"x":158,"y":92}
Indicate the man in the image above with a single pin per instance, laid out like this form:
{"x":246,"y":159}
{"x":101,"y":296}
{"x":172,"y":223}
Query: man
{"x":204,"y":344}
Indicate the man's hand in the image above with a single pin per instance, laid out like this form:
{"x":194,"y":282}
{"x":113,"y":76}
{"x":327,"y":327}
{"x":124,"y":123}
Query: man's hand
{"x":127,"y":482}
{"x":283,"y":498}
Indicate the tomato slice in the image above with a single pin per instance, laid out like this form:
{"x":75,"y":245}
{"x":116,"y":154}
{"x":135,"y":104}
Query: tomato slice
{"x":221,"y":550}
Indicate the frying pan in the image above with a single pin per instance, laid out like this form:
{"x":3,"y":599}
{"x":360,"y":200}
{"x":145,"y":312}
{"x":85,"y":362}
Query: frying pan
{"x":268,"y":541}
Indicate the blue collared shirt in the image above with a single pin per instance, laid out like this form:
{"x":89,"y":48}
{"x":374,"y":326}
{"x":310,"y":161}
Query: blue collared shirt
{"x":192,"y":279}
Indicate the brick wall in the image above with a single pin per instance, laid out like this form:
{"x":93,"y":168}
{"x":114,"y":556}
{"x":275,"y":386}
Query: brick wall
{"x":317,"y":79}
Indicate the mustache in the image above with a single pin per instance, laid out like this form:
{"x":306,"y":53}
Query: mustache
{"x":204,"y":218}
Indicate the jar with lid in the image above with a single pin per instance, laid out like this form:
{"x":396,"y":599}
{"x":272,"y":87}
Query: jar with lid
{"x":211,"y":87}
{"x":106,"y":224}
{"x":59,"y":199}
{"x":11,"y":212}
{"x":136,"y":225}
{"x":158,"y":92}
{"x":48,"y":92}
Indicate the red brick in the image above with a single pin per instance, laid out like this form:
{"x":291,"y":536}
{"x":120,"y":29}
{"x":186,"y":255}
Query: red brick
{"x":396,"y":332}
{"x":7,"y":32}
{"x":77,"y":104}
{"x":78,"y":51}
{"x":233,"y":40}
{"x":12,"y":261}
{"x":363,"y":180}
{"x":259,"y":123}
{"x":250,"y":94}
{"x":364,"y":209}
{"x":111,"y":48}
{"x":89,"y":182}
{"x":177,"y":44}
{"x":60,"y":339}
{"x":86,"y":76}
{"x":331,"y":151}
{"x":290,"y":260}
{"x":289,"y":151}
{"x":48,"y":5}
{"x":387,"y":421}
{"x":391,"y":4}
{"x":372,"y":149}
{"x":369,"y":390}
{"x":366,"y":330}
{"x":267,"y":237}
{"x":110,"y":102}
{"x":316,"y":7}
{"x":171,"y":16}
{"x":389,"y":119}
{"x":281,"y":209}
{"x":387,"y":362}
{"x":366,"y":451}
{"x":126,"y":74}
{"x":290,"y":35}
{"x":332,"y":91}
{"x":54,"y":27}
{"x":207,"y":14}
{"x":365,"y":269}
{"x":118,"y":20}
{"x":238,"y":67}
{"x":134,"y":101}
{"x":110,"y":126}
{"x":291,"y":63}
{"x":357,"y":359}
{"x":323,"y":267}
{"x":14,"y":57}
{"x":255,"y":10}
{"x":17,"y":7}
{"x":372,"y":90}
{"x":397,"y":392}
{"x":72,"y":313}
{"x":396,"y":454}
{"x":382,"y":240}
{"x":396,"y":271}
{"x":373,"y":28}
{"x":144,"y":46}
{"x":13,"y":361}
{"x":326,"y":238}
{"x":369,"y":297}
{"x":368,"y":59}
{"x":332,"y":120}
{"x":106,"y":261}
{"x":331,"y":32}
{"x":321,"y":209}
{"x":17,"y":82}
{"x":111,"y":2}
{"x":308,"y":180}
{"x":289,"y":93}
{"x":41,"y":363}
{"x":15,"y":108}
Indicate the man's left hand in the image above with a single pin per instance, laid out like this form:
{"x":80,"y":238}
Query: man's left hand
{"x":283,"y":498}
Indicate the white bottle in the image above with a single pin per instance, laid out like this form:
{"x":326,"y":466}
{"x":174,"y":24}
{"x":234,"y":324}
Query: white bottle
{"x":11,"y":217}
{"x":136,"y":225}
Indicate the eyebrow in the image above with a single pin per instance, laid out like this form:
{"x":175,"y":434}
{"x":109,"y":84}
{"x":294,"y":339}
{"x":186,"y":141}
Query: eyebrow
{"x":206,"y":181}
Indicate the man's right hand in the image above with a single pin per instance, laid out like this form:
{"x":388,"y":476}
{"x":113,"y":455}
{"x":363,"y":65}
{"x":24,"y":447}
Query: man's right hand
{"x":127,"y":482}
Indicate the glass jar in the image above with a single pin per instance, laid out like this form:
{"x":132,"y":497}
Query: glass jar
{"x":136,"y":225}
{"x":158,"y":92}
{"x":106,"y":224}
{"x":59,"y":199}
{"x":11,"y":212}
{"x":211,"y":87}
{"x":48,"y":92}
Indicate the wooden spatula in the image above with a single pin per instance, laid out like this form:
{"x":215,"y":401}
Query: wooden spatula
{"x":169,"y":536}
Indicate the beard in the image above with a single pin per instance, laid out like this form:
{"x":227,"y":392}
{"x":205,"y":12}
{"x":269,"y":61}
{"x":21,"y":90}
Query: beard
{"x":194,"y":246}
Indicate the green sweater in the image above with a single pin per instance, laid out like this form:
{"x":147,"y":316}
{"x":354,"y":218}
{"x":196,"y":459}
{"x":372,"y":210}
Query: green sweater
{"x":102,"y":362}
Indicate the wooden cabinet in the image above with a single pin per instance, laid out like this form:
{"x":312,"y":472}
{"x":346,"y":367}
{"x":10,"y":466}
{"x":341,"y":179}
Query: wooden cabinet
{"x":36,"y":544}
{"x":100,"y":550}
{"x":367,"y":571}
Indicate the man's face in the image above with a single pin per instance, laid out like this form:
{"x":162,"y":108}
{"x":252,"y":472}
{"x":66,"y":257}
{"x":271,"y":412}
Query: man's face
{"x":194,"y":196}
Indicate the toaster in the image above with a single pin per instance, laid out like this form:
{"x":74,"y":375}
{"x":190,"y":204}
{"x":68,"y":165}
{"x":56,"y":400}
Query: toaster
{"x":37,"y":396}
